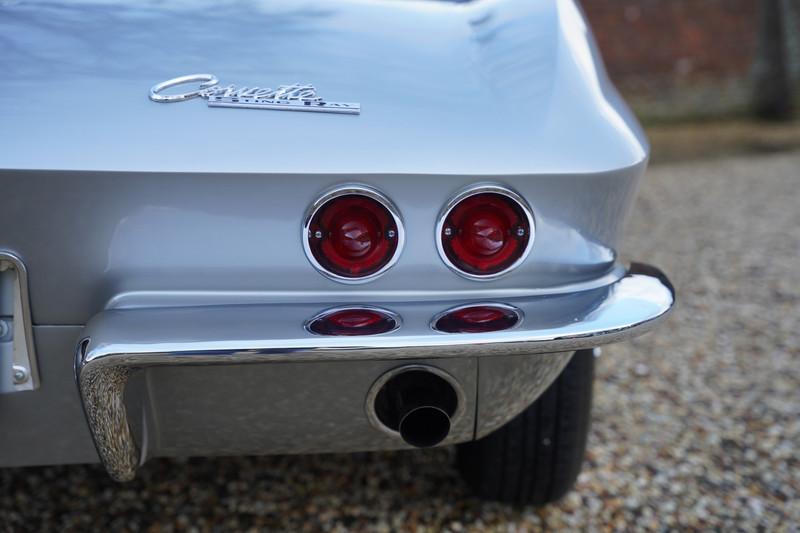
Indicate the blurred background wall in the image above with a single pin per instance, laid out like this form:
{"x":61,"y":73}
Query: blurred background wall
{"x":690,"y":59}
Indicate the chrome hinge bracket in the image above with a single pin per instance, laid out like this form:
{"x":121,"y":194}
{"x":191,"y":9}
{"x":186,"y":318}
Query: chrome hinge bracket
{"x":18,"y":369}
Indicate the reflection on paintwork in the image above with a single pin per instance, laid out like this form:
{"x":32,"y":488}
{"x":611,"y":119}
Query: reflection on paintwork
{"x":513,"y":51}
{"x":261,"y":414}
{"x":157,"y":235}
{"x":576,"y":31}
{"x":557,"y":240}
{"x":509,"y":384}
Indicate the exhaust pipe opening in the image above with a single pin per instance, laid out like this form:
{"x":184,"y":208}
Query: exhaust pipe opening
{"x":425,"y":426}
{"x":417,"y":403}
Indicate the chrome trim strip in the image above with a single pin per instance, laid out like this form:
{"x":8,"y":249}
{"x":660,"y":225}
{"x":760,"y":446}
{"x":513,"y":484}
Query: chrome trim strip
{"x":516,"y":310}
{"x":369,"y":404}
{"x":24,"y":362}
{"x":121,"y":341}
{"x":472,"y":191}
{"x":363,"y":190}
{"x":398,"y":321}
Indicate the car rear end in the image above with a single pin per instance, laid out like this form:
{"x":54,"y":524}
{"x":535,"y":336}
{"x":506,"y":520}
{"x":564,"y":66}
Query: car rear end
{"x":191,"y":280}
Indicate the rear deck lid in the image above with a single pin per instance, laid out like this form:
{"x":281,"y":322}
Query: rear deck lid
{"x":481,"y":88}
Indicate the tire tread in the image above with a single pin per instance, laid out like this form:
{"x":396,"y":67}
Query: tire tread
{"x":536,"y":457}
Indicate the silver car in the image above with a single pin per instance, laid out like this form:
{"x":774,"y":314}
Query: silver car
{"x":263,"y":227}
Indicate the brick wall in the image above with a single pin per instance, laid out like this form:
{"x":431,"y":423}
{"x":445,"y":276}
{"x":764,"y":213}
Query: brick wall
{"x":682,"y":57}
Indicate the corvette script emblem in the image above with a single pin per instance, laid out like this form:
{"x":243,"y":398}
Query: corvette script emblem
{"x":295,"y":97}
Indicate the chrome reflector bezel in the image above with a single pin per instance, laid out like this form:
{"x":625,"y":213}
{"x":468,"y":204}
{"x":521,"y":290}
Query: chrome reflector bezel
{"x":398,"y":321}
{"x":472,"y":191}
{"x":361,"y":190}
{"x":508,"y":307}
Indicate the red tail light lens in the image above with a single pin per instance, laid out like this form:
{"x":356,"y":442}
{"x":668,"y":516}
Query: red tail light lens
{"x":478,"y":319}
{"x":353,"y":234}
{"x":486,"y":232}
{"x":353,"y":321}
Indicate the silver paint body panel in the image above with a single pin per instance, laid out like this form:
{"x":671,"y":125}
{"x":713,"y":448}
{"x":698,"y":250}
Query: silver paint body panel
{"x":116,"y":203}
{"x":483,"y":88}
{"x":95,"y":240}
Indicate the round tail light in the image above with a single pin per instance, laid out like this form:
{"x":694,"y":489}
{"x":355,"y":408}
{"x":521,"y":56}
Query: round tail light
{"x":353,"y":234}
{"x":482,"y":318}
{"x":353,"y":321}
{"x":485,"y":232}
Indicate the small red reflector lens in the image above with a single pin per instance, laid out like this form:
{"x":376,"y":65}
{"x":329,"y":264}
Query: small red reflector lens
{"x":353,"y":321}
{"x":478,"y":319}
{"x":353,"y":236}
{"x":485,"y":234}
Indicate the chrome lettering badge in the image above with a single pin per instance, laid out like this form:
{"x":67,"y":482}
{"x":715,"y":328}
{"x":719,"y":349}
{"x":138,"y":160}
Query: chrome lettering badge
{"x":295,"y":97}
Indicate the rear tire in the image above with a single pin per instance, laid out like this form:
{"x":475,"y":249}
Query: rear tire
{"x":536,"y":458}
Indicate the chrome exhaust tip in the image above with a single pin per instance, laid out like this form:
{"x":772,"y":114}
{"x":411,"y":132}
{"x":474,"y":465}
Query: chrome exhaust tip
{"x":416,"y":403}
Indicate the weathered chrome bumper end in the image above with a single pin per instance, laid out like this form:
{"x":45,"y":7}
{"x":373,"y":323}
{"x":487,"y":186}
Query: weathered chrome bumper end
{"x":117,"y":343}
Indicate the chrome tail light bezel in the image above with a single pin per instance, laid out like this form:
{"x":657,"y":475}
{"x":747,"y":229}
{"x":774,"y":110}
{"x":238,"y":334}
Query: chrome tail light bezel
{"x":358,"y":190}
{"x":481,"y":189}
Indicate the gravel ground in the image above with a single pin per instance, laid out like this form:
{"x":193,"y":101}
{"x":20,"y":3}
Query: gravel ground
{"x":695,"y":425}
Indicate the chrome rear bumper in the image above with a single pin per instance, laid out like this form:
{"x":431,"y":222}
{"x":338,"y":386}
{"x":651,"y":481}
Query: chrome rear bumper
{"x":118,"y":342}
